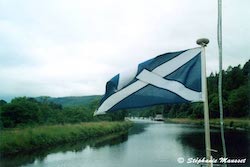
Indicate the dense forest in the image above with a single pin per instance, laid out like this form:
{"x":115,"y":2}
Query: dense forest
{"x":25,"y":111}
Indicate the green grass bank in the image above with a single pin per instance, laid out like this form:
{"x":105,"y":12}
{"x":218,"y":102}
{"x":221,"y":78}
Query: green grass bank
{"x":27,"y":139}
{"x":229,"y":123}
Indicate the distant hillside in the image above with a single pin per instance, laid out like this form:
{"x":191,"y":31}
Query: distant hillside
{"x":71,"y":100}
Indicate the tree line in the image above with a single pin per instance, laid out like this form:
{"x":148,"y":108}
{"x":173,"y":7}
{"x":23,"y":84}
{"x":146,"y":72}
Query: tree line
{"x":25,"y":111}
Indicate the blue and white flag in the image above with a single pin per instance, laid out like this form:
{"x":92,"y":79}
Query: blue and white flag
{"x":174,"y":77}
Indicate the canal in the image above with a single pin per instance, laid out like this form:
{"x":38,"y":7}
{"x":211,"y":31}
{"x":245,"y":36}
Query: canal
{"x":146,"y":145}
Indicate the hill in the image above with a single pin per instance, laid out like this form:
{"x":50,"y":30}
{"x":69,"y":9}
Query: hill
{"x":71,"y":100}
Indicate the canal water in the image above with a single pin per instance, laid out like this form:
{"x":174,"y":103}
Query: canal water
{"x":146,"y":145}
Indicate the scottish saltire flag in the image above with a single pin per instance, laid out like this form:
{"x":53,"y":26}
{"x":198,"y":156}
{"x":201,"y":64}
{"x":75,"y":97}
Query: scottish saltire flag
{"x":168,"y":78}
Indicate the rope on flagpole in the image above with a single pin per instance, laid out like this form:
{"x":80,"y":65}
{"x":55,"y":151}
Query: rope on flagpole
{"x":219,"y":40}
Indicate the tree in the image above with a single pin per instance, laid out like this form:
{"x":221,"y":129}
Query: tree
{"x":2,"y":102}
{"x":246,"y":69}
{"x":197,"y":110}
{"x":238,"y":102}
{"x":214,"y":105}
{"x":234,"y":78}
{"x":20,"y":111}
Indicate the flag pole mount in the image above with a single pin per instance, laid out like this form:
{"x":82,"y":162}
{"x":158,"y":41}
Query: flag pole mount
{"x":203,"y":43}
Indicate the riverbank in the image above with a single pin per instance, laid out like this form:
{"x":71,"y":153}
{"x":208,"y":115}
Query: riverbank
{"x":27,"y":139}
{"x":229,"y":123}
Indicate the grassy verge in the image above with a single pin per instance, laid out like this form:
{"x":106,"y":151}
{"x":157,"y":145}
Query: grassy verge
{"x":27,"y":139}
{"x":229,"y":123}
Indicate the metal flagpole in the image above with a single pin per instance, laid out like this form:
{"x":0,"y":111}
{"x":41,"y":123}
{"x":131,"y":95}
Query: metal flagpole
{"x":203,"y":43}
{"x":219,"y":38}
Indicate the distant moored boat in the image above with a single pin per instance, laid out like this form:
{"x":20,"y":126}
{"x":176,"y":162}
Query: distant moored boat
{"x":159,"y":117}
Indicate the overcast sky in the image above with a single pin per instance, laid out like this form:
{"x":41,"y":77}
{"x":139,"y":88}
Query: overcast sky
{"x":72,"y":47}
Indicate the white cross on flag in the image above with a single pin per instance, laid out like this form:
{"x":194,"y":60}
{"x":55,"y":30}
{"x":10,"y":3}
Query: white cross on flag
{"x":168,"y":78}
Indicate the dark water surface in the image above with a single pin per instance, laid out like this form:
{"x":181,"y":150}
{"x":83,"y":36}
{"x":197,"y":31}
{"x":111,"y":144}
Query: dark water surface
{"x":146,"y":145}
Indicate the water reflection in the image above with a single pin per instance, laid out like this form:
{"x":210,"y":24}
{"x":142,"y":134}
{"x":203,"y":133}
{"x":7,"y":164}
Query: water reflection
{"x":138,"y":128}
{"x":146,"y":145}
{"x":40,"y":155}
{"x":192,"y":140}
{"x":237,"y":142}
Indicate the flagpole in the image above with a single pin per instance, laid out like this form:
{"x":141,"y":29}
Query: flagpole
{"x":203,"y":43}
